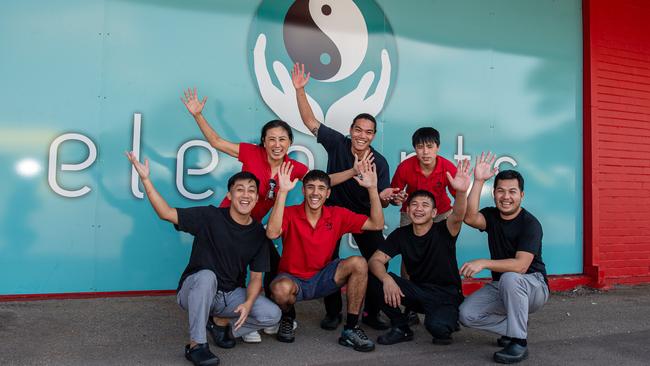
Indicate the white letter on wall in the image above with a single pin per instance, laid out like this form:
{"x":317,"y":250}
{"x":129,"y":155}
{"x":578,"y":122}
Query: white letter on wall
{"x":306,"y":151}
{"x":52,"y":166}
{"x":135,"y":178}
{"x":180,"y":163}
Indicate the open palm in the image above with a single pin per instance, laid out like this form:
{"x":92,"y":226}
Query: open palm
{"x":143,"y":170}
{"x":483,"y":170}
{"x":462,"y":180}
{"x":192,"y":102}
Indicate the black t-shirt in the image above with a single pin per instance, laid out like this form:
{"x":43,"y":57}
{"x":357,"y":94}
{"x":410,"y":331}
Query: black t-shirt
{"x":430,"y":258}
{"x":506,"y":237}
{"x":223,"y":246}
{"x":349,"y":194}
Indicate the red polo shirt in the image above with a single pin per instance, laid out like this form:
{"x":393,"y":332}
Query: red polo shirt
{"x":409,"y":173}
{"x":305,"y":249}
{"x":254,"y":160}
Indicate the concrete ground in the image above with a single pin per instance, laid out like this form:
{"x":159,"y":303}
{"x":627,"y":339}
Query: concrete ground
{"x":582,"y":327}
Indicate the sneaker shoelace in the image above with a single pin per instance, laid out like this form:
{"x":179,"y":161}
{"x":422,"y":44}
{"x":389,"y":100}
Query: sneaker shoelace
{"x":360,"y":333}
{"x":286,"y":325}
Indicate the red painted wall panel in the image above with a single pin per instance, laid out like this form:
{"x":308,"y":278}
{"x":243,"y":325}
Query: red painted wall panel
{"x":617,"y":140}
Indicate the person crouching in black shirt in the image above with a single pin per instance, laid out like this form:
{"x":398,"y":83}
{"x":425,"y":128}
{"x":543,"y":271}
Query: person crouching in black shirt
{"x":428,"y":251}
{"x":226,"y":241}
{"x":519,"y":285}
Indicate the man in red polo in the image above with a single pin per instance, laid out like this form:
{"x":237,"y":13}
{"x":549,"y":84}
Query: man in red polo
{"x":309,"y":233}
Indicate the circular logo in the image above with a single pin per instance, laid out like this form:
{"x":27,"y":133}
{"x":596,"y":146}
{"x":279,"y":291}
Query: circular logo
{"x":347,"y":46}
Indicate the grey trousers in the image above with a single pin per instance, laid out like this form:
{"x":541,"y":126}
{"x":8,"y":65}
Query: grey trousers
{"x":199,"y":297}
{"x":503,"y":306}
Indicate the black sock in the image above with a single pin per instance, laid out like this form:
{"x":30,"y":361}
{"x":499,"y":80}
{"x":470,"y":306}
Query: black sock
{"x":520,"y":341}
{"x":291,"y":313}
{"x":351,"y":321}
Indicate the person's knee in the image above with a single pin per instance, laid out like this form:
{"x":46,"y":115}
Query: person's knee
{"x":466,"y":315}
{"x":510,"y":281}
{"x":205,"y":280}
{"x":269,"y":315}
{"x":357,"y":264}
{"x":281,"y":290}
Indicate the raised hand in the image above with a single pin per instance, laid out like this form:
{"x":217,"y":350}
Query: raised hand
{"x":483,"y":169}
{"x":462,"y":180}
{"x":143,"y":170}
{"x":368,"y":157}
{"x":285,"y":184}
{"x":367,"y":177}
{"x":298,"y":77}
{"x":282,"y":100}
{"x":192,"y":103}
{"x":343,"y":110}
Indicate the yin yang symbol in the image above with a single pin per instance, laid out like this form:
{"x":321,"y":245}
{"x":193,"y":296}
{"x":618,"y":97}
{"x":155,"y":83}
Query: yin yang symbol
{"x":329,"y":36}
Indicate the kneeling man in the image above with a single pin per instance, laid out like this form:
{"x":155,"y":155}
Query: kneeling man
{"x":519,"y":284}
{"x":309,"y":233}
{"x":226,"y":241}
{"x":428,"y":252}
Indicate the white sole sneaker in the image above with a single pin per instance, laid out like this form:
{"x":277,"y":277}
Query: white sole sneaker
{"x":252,"y":337}
{"x":274,"y":329}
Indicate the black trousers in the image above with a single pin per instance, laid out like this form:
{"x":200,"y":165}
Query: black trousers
{"x":438,"y":304}
{"x":368,"y":242}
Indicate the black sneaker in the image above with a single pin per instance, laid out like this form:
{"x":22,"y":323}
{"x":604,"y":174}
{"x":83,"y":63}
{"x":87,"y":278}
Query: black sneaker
{"x":512,"y":353}
{"x":412,"y":317}
{"x":357,"y":339}
{"x":374,"y":322}
{"x":200,"y":355}
{"x":331,"y":322}
{"x":286,"y":333}
{"x":396,"y":335}
{"x":221,"y":336}
{"x":503,"y":341}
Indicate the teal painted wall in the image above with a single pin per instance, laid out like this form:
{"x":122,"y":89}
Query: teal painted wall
{"x":504,"y":75}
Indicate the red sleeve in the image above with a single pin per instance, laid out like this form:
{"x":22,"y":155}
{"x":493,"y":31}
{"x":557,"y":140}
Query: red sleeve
{"x":397,"y":181}
{"x":351,"y":222}
{"x":299,"y":170}
{"x":451,"y":168}
{"x":247,"y":152}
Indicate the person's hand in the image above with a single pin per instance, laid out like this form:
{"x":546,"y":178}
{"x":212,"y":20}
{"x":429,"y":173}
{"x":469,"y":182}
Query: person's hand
{"x":367,"y":177}
{"x":143,"y":170}
{"x":368,"y":157}
{"x":392,"y":293}
{"x":462,"y":180}
{"x":192,"y":103}
{"x":483,"y":169}
{"x":285,"y":184}
{"x":388,"y":194}
{"x":298,"y":77}
{"x":400,"y":197}
{"x":469,"y":269}
{"x":243,"y":310}
{"x":281,"y":100}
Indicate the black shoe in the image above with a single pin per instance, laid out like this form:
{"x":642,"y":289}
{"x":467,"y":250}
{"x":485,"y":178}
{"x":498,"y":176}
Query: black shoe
{"x":396,"y":335}
{"x":286,"y":333}
{"x":221,"y":335}
{"x":442,"y":341}
{"x":503,"y":341}
{"x":331,"y":322}
{"x":200,"y":355}
{"x":413,"y":318}
{"x":374,"y":322}
{"x":512,"y":353}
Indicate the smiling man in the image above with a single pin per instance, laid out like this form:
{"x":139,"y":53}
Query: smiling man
{"x":519,"y":285}
{"x":342,"y":154}
{"x":309,"y":234}
{"x":226,"y":241}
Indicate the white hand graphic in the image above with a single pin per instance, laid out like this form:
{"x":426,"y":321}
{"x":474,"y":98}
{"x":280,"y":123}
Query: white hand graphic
{"x":340,"y":114}
{"x":282,"y":102}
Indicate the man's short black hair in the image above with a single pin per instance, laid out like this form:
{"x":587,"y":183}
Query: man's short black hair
{"x":424,"y":135}
{"x":243,"y":176}
{"x":365,"y":116}
{"x":421,"y":193}
{"x":273,"y":124}
{"x":316,"y":174}
{"x":510,"y":174}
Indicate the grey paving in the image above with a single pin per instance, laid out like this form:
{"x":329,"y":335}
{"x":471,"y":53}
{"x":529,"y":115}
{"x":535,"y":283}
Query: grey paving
{"x":582,"y":327}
